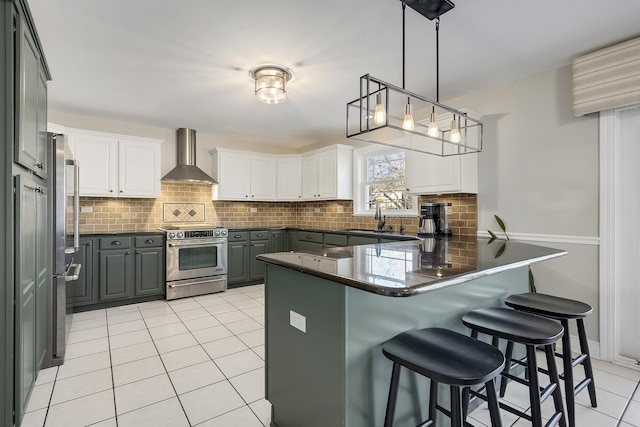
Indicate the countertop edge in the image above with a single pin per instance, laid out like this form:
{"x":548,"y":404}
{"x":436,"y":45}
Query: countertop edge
{"x":416,"y":290}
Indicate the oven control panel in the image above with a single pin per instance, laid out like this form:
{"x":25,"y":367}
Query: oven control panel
{"x":197,"y":234}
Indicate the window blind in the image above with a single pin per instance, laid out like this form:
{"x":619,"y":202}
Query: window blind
{"x":607,"y":78}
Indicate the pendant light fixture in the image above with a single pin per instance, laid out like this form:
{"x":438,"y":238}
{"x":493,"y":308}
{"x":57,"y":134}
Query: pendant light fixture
{"x":271,"y":83}
{"x":407,"y":122}
{"x":403,"y":119}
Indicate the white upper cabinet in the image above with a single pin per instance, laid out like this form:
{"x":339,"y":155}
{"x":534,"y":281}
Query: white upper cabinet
{"x":430,"y":174}
{"x":310,"y":177}
{"x":319,"y":175}
{"x":263,"y":177}
{"x":328,"y":173}
{"x":115,"y":165}
{"x":139,"y":169}
{"x":289,"y":178}
{"x":243,"y":176}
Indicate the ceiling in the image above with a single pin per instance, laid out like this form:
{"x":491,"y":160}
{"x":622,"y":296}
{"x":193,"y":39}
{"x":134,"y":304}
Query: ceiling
{"x":171,"y":64}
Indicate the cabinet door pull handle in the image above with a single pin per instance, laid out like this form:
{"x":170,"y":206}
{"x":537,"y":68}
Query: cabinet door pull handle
{"x":308,"y":237}
{"x":110,"y":191}
{"x":259,"y":235}
{"x":89,"y":243}
{"x":137,"y":252}
{"x":127,"y":253}
{"x":116,"y":243}
{"x":149,"y":241}
{"x":39,"y":165}
{"x":237,"y":236}
{"x":121,"y":191}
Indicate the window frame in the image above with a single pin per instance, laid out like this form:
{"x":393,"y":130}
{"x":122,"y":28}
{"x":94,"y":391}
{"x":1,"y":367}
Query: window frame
{"x":360,"y":201}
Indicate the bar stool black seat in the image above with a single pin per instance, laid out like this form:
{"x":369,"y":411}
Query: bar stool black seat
{"x":446,"y":357}
{"x":564,"y":309}
{"x":532,"y":331}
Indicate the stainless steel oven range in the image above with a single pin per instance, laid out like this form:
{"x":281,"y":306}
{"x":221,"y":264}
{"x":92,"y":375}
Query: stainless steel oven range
{"x":196,"y":260}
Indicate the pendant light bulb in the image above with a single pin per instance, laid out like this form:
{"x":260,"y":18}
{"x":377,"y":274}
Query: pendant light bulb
{"x":380,"y":115}
{"x":433,"y":130}
{"x":455,"y":131}
{"x":408,"y":123}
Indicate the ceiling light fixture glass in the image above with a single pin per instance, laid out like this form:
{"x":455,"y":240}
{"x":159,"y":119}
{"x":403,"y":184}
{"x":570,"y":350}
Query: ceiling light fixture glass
{"x":271,"y":83}
{"x":412,"y":121}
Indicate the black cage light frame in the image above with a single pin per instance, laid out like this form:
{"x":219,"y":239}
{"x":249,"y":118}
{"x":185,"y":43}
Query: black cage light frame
{"x":360,"y":112}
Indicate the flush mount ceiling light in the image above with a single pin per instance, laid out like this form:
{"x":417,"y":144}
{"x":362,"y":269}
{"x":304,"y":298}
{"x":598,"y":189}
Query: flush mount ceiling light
{"x":271,"y":83}
{"x":390,"y":115}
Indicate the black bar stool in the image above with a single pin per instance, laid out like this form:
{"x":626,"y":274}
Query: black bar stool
{"x":532,"y":331}
{"x":445,"y":357}
{"x":564,"y":309}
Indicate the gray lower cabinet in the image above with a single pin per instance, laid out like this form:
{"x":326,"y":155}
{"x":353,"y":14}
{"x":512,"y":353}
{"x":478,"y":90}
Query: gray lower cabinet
{"x":243,"y":248}
{"x":115,"y":274}
{"x":238,"y":257}
{"x":362,"y":240}
{"x":117,"y":268}
{"x":335,"y":240}
{"x":83,"y":291}
{"x":309,"y":240}
{"x":31,"y":254}
{"x":278,"y":241}
{"x":258,"y":244}
{"x":150,"y":266}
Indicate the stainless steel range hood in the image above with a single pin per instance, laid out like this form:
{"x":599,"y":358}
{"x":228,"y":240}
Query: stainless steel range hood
{"x":186,"y":170}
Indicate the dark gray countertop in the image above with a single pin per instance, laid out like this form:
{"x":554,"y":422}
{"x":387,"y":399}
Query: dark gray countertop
{"x":399,"y":269}
{"x":346,"y":232}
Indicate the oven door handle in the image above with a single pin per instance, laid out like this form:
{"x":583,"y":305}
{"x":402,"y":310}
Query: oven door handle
{"x":189,"y":245}
{"x":197,"y":283}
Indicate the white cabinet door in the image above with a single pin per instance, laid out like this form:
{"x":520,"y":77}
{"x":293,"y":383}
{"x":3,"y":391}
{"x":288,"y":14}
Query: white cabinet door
{"x":97,"y":157}
{"x":327,"y":174}
{"x":428,"y":174}
{"x":263,"y":178}
{"x":310,"y":177}
{"x":289,"y":178}
{"x":139,"y":169}
{"x":234,"y":176}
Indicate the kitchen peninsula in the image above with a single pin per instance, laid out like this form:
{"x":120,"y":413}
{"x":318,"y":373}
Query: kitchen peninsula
{"x":328,"y":312}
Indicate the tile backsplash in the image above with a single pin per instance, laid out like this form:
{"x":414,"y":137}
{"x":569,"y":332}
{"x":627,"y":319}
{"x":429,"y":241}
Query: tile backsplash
{"x":181,"y":203}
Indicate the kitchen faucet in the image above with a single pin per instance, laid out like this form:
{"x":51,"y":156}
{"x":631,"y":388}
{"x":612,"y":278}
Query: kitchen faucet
{"x":401,"y":226}
{"x":381,"y":218}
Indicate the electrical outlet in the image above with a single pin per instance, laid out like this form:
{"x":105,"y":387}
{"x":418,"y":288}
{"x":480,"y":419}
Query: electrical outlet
{"x":298,"y":321}
{"x":340,"y":209}
{"x":254,"y":209}
{"x":317,"y":209}
{"x":86,"y":209}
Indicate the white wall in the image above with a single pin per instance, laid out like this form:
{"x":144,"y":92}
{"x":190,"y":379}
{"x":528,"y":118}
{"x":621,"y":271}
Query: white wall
{"x":539,"y":172}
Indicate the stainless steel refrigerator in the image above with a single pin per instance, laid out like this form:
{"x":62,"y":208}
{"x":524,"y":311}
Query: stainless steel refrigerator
{"x":64,"y":209}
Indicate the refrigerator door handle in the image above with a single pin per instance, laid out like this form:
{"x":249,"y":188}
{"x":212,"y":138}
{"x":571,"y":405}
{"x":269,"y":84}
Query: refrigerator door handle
{"x":76,"y":204}
{"x":76,"y":273}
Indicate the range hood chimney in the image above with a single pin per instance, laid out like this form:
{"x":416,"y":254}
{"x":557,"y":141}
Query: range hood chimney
{"x":186,"y":170}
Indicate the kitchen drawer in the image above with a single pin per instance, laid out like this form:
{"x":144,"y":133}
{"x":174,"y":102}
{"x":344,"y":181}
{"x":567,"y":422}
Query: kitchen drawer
{"x":236,"y":236}
{"x":149,"y":241}
{"x":260,"y":235}
{"x":335,"y":239}
{"x":309,"y":236}
{"x":115,"y":242}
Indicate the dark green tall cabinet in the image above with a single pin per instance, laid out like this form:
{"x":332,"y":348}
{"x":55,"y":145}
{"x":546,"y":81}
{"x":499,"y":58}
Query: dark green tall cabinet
{"x":24,"y":251}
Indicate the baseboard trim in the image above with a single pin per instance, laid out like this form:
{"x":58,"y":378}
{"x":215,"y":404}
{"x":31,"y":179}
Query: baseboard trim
{"x":548,"y":238}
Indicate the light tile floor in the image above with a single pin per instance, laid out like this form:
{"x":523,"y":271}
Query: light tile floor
{"x":193,"y":361}
{"x":200,"y":362}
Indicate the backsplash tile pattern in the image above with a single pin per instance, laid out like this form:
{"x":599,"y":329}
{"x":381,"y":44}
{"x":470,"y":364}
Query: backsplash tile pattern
{"x":135,"y":215}
{"x":183,"y":212}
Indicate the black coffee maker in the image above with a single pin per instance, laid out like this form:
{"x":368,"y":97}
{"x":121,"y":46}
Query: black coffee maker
{"x":435,"y":220}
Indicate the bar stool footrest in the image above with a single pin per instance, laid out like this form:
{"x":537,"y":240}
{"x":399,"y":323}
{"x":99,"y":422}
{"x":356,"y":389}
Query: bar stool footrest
{"x":554,"y":420}
{"x":582,"y":384}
